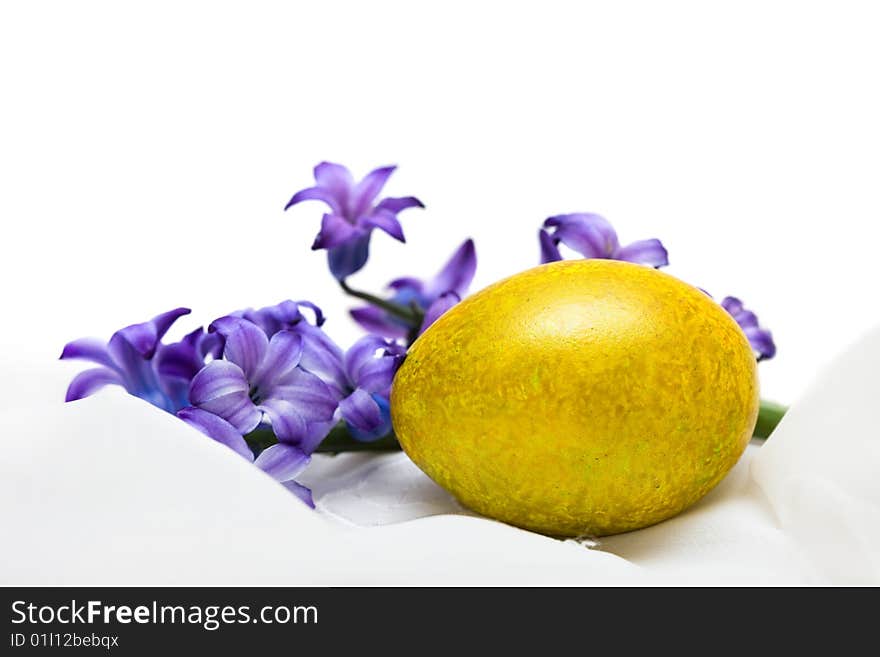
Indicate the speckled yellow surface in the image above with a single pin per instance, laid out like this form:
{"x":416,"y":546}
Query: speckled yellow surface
{"x":585,"y":397}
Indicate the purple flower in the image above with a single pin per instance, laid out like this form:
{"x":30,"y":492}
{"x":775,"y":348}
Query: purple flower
{"x":260,"y":380}
{"x":370,"y":366}
{"x":760,"y":338}
{"x":593,"y":237}
{"x":354,"y":213}
{"x":359,"y":380}
{"x":321,"y":355}
{"x":432,"y":297}
{"x":128,"y":360}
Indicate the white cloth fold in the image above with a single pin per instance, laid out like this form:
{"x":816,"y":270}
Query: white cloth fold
{"x":110,"y":490}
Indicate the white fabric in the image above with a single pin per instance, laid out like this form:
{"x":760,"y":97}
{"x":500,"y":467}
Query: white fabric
{"x":109,"y":490}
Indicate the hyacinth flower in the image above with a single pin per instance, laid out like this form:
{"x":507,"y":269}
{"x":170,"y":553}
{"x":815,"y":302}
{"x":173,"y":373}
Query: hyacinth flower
{"x":129,"y":360}
{"x":592,"y":236}
{"x":759,"y":338}
{"x":354,"y":213}
{"x":429,"y":298}
{"x":370,"y":366}
{"x":321,"y":355}
{"x":260,"y":380}
{"x":360,"y":378}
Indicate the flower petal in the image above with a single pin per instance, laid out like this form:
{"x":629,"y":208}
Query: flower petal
{"x":549,"y":250}
{"x":375,"y":320}
{"x":372,"y":362}
{"x":222,"y":389}
{"x":746,"y":319}
{"x":407,"y":283}
{"x":176,"y":393}
{"x":90,"y":381}
{"x":181,"y":359}
{"x":386,"y":221}
{"x":457,"y":273}
{"x":644,"y":252}
{"x":237,"y":409}
{"x":282,"y":462}
{"x":135,"y":369}
{"x":319,"y":315}
{"x":759,"y":338}
{"x":761,"y":341}
{"x":216,"y":428}
{"x":90,"y":349}
{"x":217,"y":379}
{"x":321,"y":356}
{"x":348,"y":258}
{"x":376,"y":377}
{"x":443,"y":303}
{"x":362,"y":352}
{"x":316,"y":434}
{"x":288,"y":424}
{"x":336,"y":179}
{"x":283,"y":354}
{"x":164,"y":321}
{"x":591,"y":235}
{"x":363,"y":414}
{"x":303,"y":493}
{"x":144,"y":337}
{"x":311,"y":397}
{"x":211,"y":344}
{"x":246,"y":344}
{"x":395,"y":205}
{"x":227,"y":324}
{"x":317,"y":194}
{"x":732,"y":305}
{"x":138,"y":338}
{"x":336,"y":231}
{"x":366,"y":191}
{"x":281,"y":316}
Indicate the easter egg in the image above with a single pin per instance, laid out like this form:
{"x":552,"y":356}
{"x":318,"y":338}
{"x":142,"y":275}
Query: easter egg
{"x":579,"y":398}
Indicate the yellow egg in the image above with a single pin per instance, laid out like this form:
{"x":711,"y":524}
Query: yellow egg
{"x":585,"y":397}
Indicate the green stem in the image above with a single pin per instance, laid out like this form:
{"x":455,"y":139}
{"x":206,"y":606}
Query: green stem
{"x":406,"y":313}
{"x":769,"y":416}
{"x":338,"y":440}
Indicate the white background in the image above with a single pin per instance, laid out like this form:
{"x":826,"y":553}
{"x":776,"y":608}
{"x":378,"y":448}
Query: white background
{"x":147,"y":151}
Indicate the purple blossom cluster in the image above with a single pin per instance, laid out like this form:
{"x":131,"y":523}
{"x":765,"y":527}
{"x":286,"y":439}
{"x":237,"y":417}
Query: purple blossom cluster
{"x":254,"y":368}
{"x":275,"y":371}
